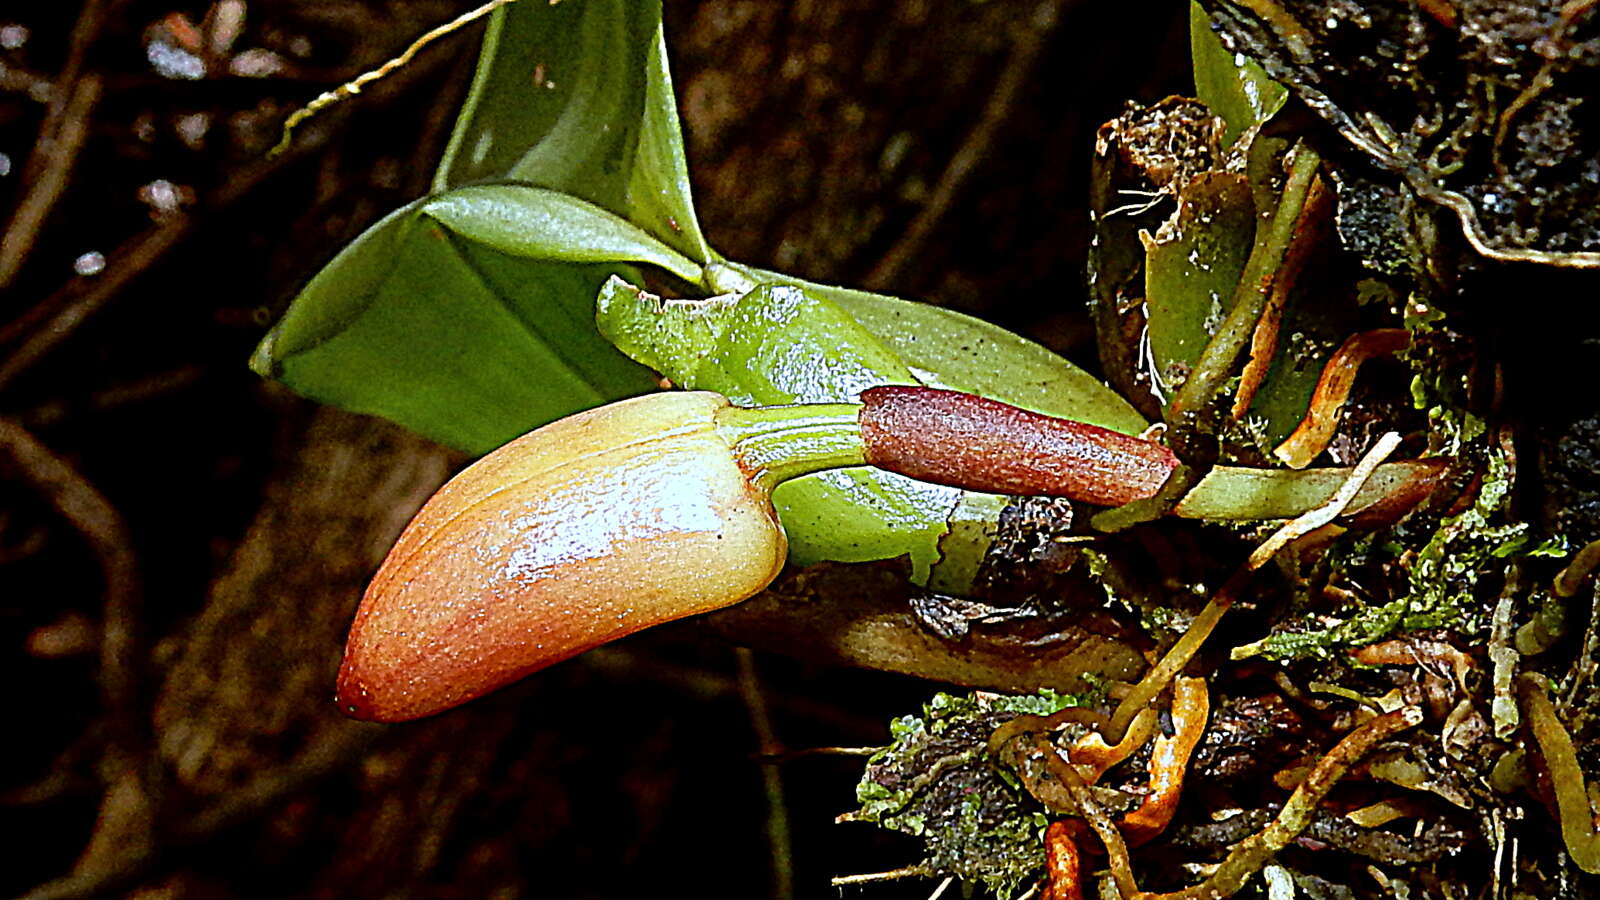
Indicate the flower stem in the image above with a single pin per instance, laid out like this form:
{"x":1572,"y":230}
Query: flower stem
{"x":776,"y":443}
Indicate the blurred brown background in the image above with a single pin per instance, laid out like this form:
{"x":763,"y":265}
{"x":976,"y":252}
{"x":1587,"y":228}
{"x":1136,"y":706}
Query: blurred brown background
{"x":181,"y":544}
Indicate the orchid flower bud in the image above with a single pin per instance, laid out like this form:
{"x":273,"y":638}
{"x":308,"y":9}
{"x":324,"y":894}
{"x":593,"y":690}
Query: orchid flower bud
{"x":578,"y":533}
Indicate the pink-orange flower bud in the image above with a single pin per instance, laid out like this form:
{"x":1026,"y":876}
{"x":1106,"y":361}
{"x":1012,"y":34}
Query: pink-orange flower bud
{"x":580,"y":532}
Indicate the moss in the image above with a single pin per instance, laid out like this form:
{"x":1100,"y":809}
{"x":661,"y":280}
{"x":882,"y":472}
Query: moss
{"x":936,"y":782}
{"x":1441,"y":580}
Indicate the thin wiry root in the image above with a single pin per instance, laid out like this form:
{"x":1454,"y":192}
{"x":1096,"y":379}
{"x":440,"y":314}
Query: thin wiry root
{"x":1249,"y":855}
{"x":1322,"y":417}
{"x":1169,"y":761}
{"x":1162,"y":673}
{"x":917,"y":871}
{"x":1056,"y":783}
{"x":1571,"y":578}
{"x":1092,"y":756}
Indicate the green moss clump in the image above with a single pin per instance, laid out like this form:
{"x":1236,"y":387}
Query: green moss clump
{"x":935,"y":781}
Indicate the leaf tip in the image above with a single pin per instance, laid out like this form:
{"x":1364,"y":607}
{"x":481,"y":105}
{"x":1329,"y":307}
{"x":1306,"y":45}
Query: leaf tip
{"x":264,"y":361}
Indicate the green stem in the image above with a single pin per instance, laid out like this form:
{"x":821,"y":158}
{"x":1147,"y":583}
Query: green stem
{"x":777,"y":443}
{"x":1215,"y":365}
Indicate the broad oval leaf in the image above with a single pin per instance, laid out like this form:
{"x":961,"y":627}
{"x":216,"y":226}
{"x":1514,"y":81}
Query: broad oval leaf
{"x":475,"y":332}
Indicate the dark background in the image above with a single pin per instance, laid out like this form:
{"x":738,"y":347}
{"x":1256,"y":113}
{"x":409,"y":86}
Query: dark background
{"x":182,"y":544}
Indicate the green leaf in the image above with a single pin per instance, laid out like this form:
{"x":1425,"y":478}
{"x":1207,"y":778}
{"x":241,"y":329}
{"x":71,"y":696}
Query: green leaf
{"x":468,"y":316}
{"x":1235,"y":88}
{"x":542,"y":224}
{"x":576,"y":97}
{"x":770,"y":346}
{"x":456,"y":340}
{"x":948,"y":349}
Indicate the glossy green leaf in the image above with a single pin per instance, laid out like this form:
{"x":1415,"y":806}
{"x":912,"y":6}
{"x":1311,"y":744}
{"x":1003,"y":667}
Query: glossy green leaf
{"x":1234,"y":87}
{"x":454,"y":339}
{"x":542,"y":224}
{"x":948,"y":349}
{"x":576,"y":97}
{"x":468,"y":316}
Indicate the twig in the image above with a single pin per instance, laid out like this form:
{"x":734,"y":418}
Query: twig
{"x":127,"y":806}
{"x":107,"y":535}
{"x":778,"y":836}
{"x":81,"y":298}
{"x":1028,"y":44}
{"x":114,"y":396}
{"x":268,"y":790}
{"x":55,"y":319}
{"x":618,"y":663}
{"x":790,"y":755}
{"x":66,"y":773}
{"x":46,"y":175}
{"x":60,"y":138}
{"x":877,"y":877}
{"x":237,"y":807}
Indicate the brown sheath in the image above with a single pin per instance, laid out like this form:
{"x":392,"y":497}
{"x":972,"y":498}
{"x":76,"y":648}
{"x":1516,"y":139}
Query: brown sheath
{"x":971,"y":442}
